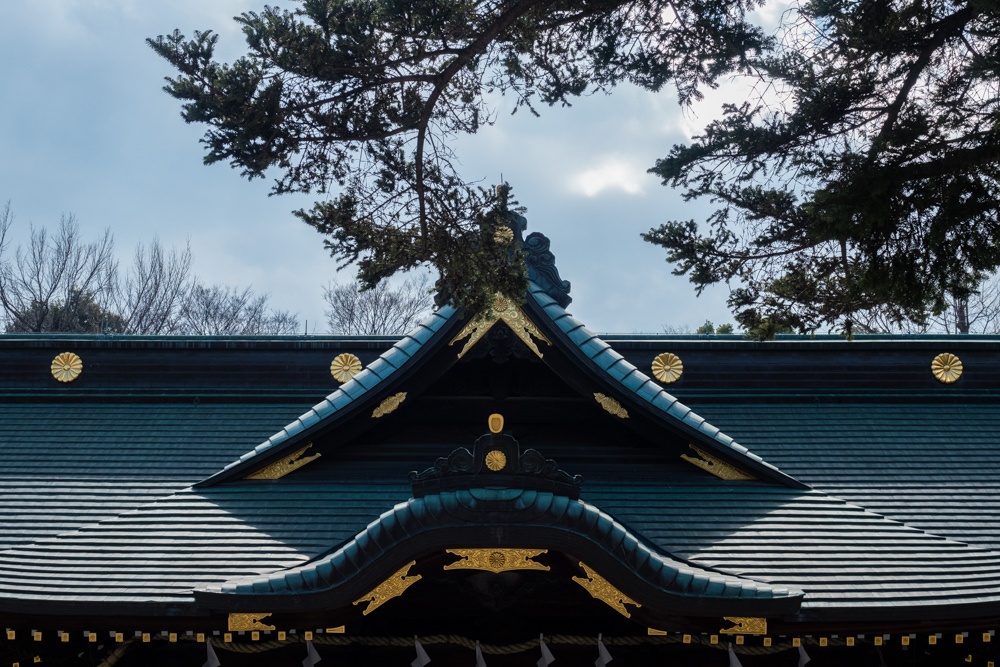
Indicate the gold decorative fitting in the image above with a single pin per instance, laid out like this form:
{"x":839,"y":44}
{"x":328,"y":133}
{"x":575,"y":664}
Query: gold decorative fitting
{"x":717,"y":467}
{"x":339,"y":630}
{"x":67,"y":367}
{"x":344,"y":367}
{"x":282,"y":467}
{"x":238,"y":622}
{"x":391,"y":588}
{"x":946,"y":367}
{"x":600,"y":588}
{"x":508,"y":311}
{"x":495,"y":460}
{"x":611,"y":405}
{"x":389,"y":404}
{"x":496,"y":560}
{"x":503,"y":235}
{"x":745,"y":626}
{"x":655,"y":633}
{"x":496,"y":423}
{"x":667,"y":368}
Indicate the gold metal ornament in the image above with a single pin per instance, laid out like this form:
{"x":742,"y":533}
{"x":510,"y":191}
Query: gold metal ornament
{"x":248,"y":622}
{"x":344,"y":367}
{"x":391,"y":588}
{"x":506,"y":310}
{"x":601,"y":589}
{"x":716,"y":466}
{"x":389,"y":405}
{"x":283,"y":466}
{"x":497,"y":560}
{"x":67,"y":367}
{"x":611,"y":405}
{"x":496,"y":423}
{"x":745,"y":626}
{"x":946,"y":367}
{"x":503,"y":236}
{"x":667,"y":368}
{"x":495,"y":460}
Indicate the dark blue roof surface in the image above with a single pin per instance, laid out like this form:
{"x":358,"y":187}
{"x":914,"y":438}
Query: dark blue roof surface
{"x":97,"y":507}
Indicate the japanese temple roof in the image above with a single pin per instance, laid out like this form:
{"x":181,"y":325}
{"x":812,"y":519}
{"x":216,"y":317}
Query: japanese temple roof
{"x":860,"y":486}
{"x":903,"y":511}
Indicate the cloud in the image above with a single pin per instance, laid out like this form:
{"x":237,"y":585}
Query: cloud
{"x":612,"y":174}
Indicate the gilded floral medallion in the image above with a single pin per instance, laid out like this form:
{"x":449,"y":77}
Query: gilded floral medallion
{"x":495,"y":460}
{"x":66,"y":367}
{"x":345,"y":367}
{"x":946,"y":367}
{"x":667,"y":368}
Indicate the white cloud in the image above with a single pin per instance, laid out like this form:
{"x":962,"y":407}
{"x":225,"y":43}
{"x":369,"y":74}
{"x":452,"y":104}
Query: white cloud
{"x":613,"y":174}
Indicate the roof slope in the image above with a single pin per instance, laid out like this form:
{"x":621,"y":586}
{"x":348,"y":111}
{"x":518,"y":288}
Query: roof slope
{"x":383,"y":377}
{"x":932,"y":466}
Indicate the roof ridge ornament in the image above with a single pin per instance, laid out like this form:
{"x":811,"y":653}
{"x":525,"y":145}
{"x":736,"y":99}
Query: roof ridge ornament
{"x":503,"y":309}
{"x":540,"y":261}
{"x":496,"y":460}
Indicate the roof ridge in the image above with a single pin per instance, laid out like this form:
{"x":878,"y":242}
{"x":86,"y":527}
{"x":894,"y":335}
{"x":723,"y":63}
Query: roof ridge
{"x":634,"y":381}
{"x":366,"y":380}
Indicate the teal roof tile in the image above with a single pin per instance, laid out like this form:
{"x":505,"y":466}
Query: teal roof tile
{"x":422,"y":334}
{"x":634,"y":381}
{"x":369,"y":378}
{"x":309,"y":418}
{"x":380,"y":368}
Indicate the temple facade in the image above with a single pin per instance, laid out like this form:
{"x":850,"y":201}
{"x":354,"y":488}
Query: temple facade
{"x":506,"y":488}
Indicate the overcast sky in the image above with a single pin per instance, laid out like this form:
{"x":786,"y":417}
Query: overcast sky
{"x":85,"y":128}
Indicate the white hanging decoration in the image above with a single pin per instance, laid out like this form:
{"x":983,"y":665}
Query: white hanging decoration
{"x":733,"y":660}
{"x":803,"y":656}
{"x":312,"y":657}
{"x":213,"y":660}
{"x":603,"y":657}
{"x":479,"y":656}
{"x":547,"y":656}
{"x":422,"y":657}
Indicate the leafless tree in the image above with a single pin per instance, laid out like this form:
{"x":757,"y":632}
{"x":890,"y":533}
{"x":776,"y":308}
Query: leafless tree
{"x":381,"y":310}
{"x":221,"y":310}
{"x":50,"y":270}
{"x":59,"y":283}
{"x":979,"y":314}
{"x":149,"y":295}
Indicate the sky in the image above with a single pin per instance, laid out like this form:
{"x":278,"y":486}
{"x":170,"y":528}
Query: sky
{"x":86,"y":129}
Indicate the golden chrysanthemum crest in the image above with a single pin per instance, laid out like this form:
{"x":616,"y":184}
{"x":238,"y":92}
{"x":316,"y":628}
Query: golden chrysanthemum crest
{"x":344,"y":367}
{"x":67,"y":367}
{"x":496,"y":460}
{"x":946,"y":367}
{"x":667,"y":367}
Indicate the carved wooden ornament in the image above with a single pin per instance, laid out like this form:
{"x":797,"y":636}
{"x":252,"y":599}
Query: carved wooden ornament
{"x":745,"y":626}
{"x":391,"y":588}
{"x":285,"y":465}
{"x":389,"y":405}
{"x":716,"y":466}
{"x":496,"y":560}
{"x":508,"y":311}
{"x":601,"y":589}
{"x":248,"y":622}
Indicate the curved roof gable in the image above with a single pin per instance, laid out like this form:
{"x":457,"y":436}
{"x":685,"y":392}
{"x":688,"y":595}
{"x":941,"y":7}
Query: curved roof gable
{"x":589,"y":357}
{"x":445,"y":518}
